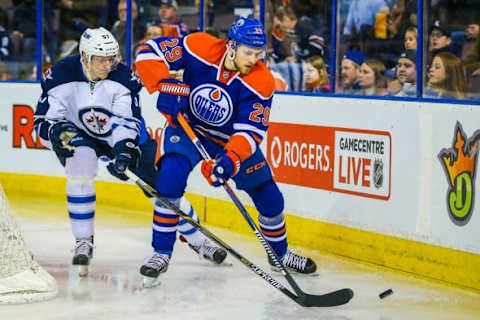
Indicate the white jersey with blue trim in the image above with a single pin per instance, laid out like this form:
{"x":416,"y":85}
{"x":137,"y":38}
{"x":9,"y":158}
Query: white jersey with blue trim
{"x":107,"y":110}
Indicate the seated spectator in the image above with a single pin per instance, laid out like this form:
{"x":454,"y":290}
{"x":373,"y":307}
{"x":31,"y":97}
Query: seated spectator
{"x":119,"y":27}
{"x":5,"y":41}
{"x":446,"y":77}
{"x":283,"y":38}
{"x":315,"y":75}
{"x":153,"y":31}
{"x":400,"y":18}
{"x":371,"y":79}
{"x":472,"y":62}
{"x":4,"y":75}
{"x":361,"y":18}
{"x":407,"y":73}
{"x":350,"y":67}
{"x":308,"y":42}
{"x":169,"y":21}
{"x":410,"y":40}
{"x":24,"y":30}
{"x":440,"y":40}
{"x":472,"y":32}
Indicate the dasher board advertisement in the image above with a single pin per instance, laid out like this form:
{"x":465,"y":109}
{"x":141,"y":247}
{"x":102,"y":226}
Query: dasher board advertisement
{"x":347,"y":160}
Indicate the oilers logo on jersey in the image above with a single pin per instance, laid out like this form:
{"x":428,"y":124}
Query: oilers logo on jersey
{"x":212,"y":104}
{"x":96,"y":120}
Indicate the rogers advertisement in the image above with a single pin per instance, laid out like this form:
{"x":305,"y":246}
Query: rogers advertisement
{"x":353,"y":161}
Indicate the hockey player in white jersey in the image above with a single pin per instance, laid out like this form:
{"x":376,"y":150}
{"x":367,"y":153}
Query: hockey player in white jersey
{"x":90,"y":108}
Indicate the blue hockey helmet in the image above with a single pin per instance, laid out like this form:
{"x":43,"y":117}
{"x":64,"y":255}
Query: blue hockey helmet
{"x":249,"y":32}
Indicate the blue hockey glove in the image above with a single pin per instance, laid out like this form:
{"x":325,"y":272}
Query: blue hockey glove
{"x":61,"y":134}
{"x":126,"y":154}
{"x":172,"y":99}
{"x":226,"y":166}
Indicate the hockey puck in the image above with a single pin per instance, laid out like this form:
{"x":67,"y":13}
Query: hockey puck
{"x":385,"y":293}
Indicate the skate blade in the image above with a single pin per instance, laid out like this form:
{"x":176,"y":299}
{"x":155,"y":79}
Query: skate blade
{"x":149,"y":282}
{"x":293,"y":271}
{"x":82,"y":271}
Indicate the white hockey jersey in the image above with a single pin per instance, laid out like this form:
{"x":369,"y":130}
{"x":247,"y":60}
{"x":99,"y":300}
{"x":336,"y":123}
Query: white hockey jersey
{"x":107,"y":110}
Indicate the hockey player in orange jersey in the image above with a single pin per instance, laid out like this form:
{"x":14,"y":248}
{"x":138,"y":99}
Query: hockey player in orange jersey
{"x":226,"y":95}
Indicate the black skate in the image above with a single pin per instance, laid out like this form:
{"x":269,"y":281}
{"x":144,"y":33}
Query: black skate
{"x":151,"y":269}
{"x":295,"y":263}
{"x":82,"y":254}
{"x":207,"y":251}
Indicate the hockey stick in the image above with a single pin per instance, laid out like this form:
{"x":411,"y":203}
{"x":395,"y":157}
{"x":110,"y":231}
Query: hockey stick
{"x":334,"y":298}
{"x":327,"y":300}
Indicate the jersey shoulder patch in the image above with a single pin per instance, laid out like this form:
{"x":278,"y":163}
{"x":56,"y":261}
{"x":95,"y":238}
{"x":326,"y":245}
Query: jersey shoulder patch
{"x":64,"y":71}
{"x":206,"y":47}
{"x":261,"y":80}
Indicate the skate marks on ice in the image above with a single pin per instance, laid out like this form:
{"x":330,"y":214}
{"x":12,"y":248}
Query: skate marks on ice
{"x":196,"y":289}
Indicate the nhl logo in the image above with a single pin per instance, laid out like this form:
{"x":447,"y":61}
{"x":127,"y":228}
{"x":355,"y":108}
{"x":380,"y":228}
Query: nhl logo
{"x":378,"y":173}
{"x":174,"y":139}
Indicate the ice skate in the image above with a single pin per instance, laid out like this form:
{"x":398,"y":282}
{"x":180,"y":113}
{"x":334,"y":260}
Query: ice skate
{"x":296,"y":263}
{"x":82,"y":254}
{"x":151,"y":269}
{"x":208,"y":251}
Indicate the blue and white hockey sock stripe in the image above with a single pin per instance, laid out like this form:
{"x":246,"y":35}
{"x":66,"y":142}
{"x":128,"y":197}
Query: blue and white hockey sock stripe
{"x":193,"y":236}
{"x":165,"y":223}
{"x":81,"y":202}
{"x":275,"y":231}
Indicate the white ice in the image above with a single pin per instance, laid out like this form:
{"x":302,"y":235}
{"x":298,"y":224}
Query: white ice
{"x":196,"y":289}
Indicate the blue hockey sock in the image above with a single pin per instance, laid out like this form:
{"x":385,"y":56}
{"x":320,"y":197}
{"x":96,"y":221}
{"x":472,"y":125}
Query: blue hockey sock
{"x":165,"y":223}
{"x":274,"y":230}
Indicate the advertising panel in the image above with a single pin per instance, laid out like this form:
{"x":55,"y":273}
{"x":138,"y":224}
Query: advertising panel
{"x":455,"y":208}
{"x":353,"y":161}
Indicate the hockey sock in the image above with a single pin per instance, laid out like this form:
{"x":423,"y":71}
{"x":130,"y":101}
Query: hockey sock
{"x":81,"y":206}
{"x":193,"y":236}
{"x":165,"y":223}
{"x":274,"y":230}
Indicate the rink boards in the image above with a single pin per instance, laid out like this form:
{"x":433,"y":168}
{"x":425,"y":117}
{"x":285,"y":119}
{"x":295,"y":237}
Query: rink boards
{"x":387,"y":182}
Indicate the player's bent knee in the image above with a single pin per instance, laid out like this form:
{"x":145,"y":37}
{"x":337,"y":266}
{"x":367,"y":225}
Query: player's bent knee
{"x":84,"y":163}
{"x":268,"y":199}
{"x":172,"y":175}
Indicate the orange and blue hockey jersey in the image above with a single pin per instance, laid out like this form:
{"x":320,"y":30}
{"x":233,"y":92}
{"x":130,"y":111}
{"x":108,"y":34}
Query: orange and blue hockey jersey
{"x":227,"y":107}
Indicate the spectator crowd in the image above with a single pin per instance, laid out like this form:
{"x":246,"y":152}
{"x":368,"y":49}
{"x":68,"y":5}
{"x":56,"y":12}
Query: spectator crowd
{"x":375,"y":51}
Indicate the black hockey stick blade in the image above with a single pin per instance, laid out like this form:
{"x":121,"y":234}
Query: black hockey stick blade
{"x":332,"y":299}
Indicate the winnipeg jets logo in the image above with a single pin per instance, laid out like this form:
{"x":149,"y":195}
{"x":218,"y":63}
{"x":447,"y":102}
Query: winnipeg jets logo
{"x":211,"y":104}
{"x":96,"y":120}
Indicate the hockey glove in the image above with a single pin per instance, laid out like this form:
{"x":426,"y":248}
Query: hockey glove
{"x":126,"y":154}
{"x":172,"y":99}
{"x":226,"y":166}
{"x":61,"y":134}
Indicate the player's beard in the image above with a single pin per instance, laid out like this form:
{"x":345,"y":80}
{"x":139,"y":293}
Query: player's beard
{"x":242,"y":69}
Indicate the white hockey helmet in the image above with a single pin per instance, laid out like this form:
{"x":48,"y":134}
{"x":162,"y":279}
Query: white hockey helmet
{"x":98,"y":42}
